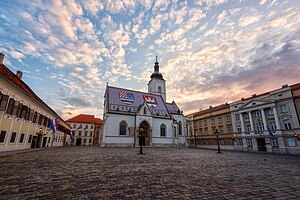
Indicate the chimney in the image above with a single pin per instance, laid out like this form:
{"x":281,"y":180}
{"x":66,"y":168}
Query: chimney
{"x":210,"y":107}
{"x":242,"y":98}
{"x":1,"y":57}
{"x":284,"y":86}
{"x":253,"y":95}
{"x":19,"y":74}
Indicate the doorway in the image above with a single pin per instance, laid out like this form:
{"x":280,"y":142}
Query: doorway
{"x":44,"y":142}
{"x":261,"y":143}
{"x":144,"y":134}
{"x":33,"y":142}
{"x":38,"y":141}
{"x":78,"y":141}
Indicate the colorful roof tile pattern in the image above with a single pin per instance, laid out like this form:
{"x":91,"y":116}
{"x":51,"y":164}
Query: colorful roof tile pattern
{"x":173,"y":108}
{"x":89,"y":119}
{"x":129,"y":101}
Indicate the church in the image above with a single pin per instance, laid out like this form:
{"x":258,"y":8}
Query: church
{"x":134,"y":118}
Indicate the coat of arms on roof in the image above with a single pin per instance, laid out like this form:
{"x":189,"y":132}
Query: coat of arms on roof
{"x":126,"y":97}
{"x":150,"y":100}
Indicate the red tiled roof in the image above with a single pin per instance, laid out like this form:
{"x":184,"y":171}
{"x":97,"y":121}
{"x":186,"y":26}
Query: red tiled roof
{"x":213,"y":109}
{"x":98,"y":121}
{"x":295,"y":86}
{"x":82,"y":118}
{"x":13,"y":79}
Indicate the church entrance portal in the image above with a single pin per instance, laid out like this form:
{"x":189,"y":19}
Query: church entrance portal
{"x":144,"y":134}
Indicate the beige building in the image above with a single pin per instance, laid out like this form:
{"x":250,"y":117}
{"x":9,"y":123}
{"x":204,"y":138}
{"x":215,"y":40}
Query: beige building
{"x":267,"y":122}
{"x":208,"y":127}
{"x":86,"y":129}
{"x":24,"y":117}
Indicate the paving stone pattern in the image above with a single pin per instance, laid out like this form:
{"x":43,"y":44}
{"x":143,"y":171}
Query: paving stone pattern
{"x":162,"y":173}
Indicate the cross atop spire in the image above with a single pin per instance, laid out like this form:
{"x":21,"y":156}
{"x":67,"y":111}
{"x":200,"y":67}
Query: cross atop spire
{"x":156,"y":66}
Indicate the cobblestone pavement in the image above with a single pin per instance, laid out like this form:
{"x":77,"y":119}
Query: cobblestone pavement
{"x":162,"y":173}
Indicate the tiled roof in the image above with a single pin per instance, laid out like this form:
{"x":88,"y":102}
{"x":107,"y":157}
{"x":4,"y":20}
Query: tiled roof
{"x":295,"y":86}
{"x":132,"y":100}
{"x":13,"y":79}
{"x":82,"y":118}
{"x":173,"y":108}
{"x":213,"y":109}
{"x":98,"y":121}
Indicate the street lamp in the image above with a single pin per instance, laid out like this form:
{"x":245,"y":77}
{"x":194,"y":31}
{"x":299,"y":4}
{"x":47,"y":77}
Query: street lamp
{"x":217,"y":132}
{"x":141,"y":139}
{"x":296,"y":136}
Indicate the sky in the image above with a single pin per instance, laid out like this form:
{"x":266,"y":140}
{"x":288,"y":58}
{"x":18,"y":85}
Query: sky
{"x":209,"y":51}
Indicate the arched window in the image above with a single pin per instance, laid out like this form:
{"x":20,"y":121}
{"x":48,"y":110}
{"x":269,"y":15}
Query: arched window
{"x":145,"y":111}
{"x":180,"y":128}
{"x":123,"y":128}
{"x":163,"y":130}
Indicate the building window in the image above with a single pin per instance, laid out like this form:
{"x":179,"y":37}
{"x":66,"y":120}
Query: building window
{"x":248,"y":129}
{"x":237,"y":117}
{"x":79,"y":133}
{"x":240,"y":142}
{"x":205,"y":122}
{"x":287,"y":123}
{"x":270,"y":111}
{"x":86,"y":126}
{"x":159,"y":89}
{"x":228,"y":118}
{"x":180,"y":128}
{"x":201,"y":131}
{"x":200,"y":123}
{"x":257,"y":114}
{"x":80,"y":126}
{"x":84,"y":140}
{"x":274,"y":142}
{"x":91,"y":132}
{"x":3,"y":102}
{"x":247,"y":116}
{"x":92,"y":126}
{"x":85,"y":133}
{"x":74,"y":125}
{"x":2,"y":136}
{"x":239,"y":130}
{"x":220,"y":120}
{"x":291,"y":142}
{"x":273,"y":126}
{"x":22,"y":138}
{"x":249,"y":142}
{"x":283,"y":108}
{"x":220,"y":130}
{"x":13,"y":137}
{"x":123,"y":127}
{"x":206,"y":142}
{"x":222,"y":142}
{"x":10,"y":106}
{"x":90,"y":140}
{"x":205,"y":131}
{"x":163,"y":130}
{"x":229,"y":129}
{"x":260,"y":127}
{"x":212,"y":121}
{"x":30,"y":139}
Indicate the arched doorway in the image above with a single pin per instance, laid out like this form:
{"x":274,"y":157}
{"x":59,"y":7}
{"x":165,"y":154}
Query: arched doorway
{"x":78,"y":141}
{"x":144,"y":134}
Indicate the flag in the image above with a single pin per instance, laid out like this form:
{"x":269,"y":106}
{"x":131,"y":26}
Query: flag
{"x":257,"y":132}
{"x":54,"y":125}
{"x":126,"y":97}
{"x":72,"y":135}
{"x":270,"y":131}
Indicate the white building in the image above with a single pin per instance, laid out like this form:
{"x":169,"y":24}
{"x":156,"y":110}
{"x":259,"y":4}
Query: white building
{"x":266,"y":122}
{"x":132,"y":118}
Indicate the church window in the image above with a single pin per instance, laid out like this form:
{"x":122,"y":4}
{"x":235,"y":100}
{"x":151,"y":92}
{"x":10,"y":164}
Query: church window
{"x":180,"y":128}
{"x":145,"y":111}
{"x":163,"y":130}
{"x":123,"y":128}
{"x":159,"y":89}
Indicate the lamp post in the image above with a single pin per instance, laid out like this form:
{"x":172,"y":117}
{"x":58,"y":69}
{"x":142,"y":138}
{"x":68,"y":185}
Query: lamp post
{"x":141,"y":139}
{"x":217,"y":132}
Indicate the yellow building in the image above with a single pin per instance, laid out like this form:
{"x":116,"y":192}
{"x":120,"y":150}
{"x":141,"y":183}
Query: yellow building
{"x":24,"y":117}
{"x":210,"y":126}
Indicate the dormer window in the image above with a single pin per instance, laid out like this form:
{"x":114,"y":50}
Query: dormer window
{"x":253,"y":104}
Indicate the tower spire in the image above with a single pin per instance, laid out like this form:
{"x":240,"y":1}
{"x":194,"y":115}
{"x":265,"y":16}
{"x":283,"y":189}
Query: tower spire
{"x":156,"y":66}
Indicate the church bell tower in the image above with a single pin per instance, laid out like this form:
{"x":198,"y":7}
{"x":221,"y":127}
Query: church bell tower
{"x":157,"y":84}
